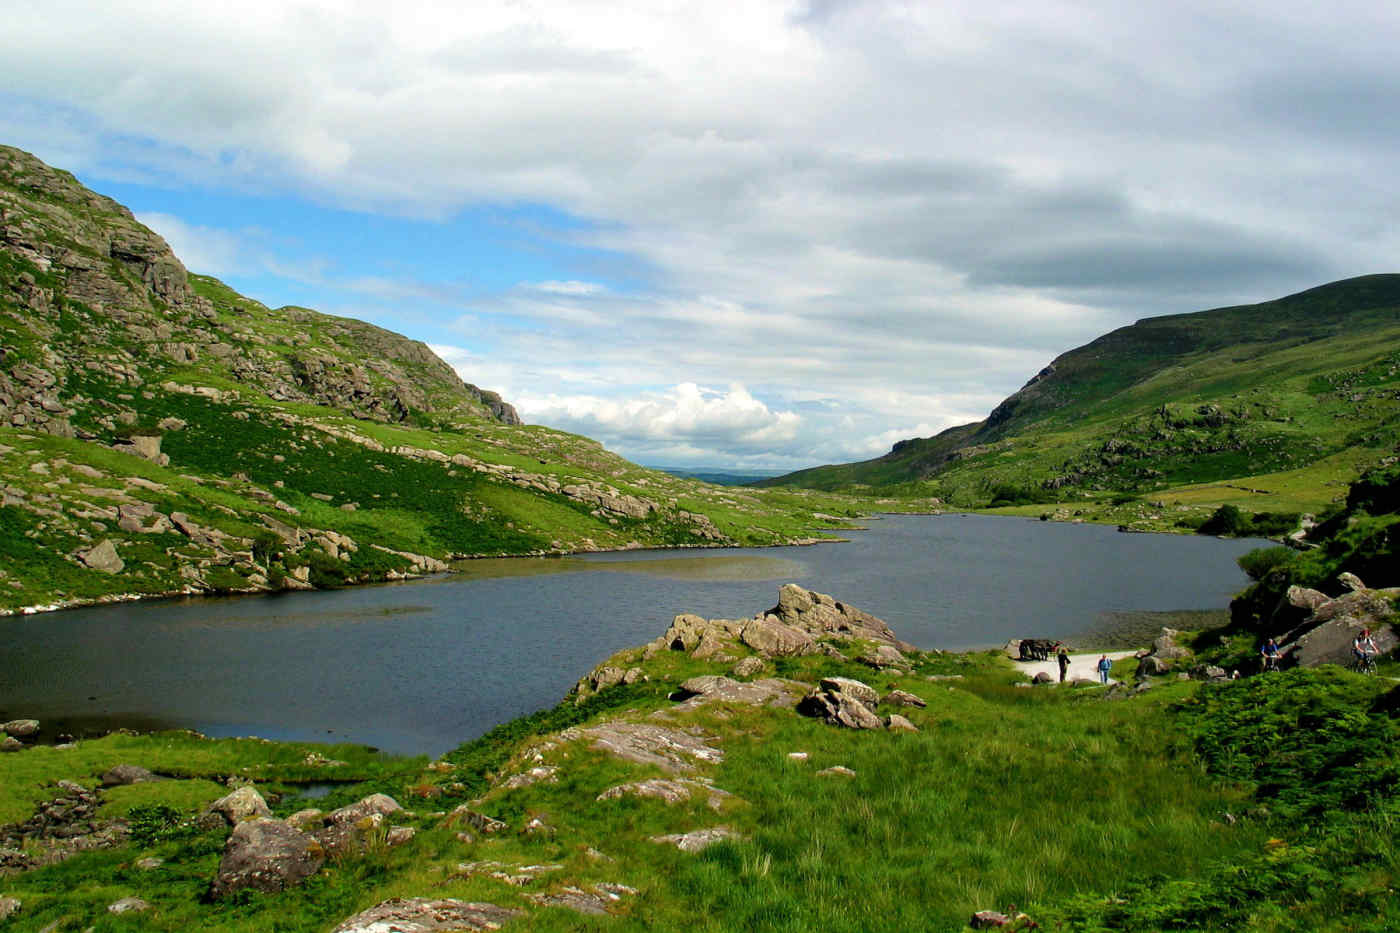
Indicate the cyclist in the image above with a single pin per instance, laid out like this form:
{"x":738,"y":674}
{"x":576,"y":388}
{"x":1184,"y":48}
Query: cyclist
{"x":1365,"y":650}
{"x":1269,"y":655}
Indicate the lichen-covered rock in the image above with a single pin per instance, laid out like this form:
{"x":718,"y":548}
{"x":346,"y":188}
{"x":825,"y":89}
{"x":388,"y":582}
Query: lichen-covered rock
{"x":266,"y":855}
{"x":127,"y":774}
{"x":381,"y":804}
{"x":245,"y":803}
{"x":20,"y":728}
{"x":671,"y":749}
{"x":903,"y":698}
{"x":425,"y":915}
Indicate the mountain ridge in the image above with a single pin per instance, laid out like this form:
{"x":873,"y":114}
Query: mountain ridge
{"x":161,"y":433}
{"x":1238,"y":391}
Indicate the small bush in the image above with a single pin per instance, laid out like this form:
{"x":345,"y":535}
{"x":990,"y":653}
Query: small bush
{"x":1261,"y":562}
{"x":1226,"y":520}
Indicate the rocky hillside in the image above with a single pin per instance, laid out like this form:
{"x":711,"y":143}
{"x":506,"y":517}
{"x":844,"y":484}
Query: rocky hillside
{"x":161,"y":433}
{"x":1272,"y":407}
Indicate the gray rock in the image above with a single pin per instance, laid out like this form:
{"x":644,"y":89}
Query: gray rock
{"x":103,"y":557}
{"x":266,"y":855}
{"x":852,"y":689}
{"x":128,"y":905}
{"x":149,"y":863}
{"x":884,"y":656}
{"x":897,"y":723}
{"x":381,"y":804}
{"x":666,"y":790}
{"x":11,"y":744}
{"x":20,"y":728}
{"x":748,"y":667}
{"x":349,"y":837}
{"x":839,"y":710}
{"x":699,"y":840}
{"x":424,"y":915}
{"x":773,"y":639}
{"x":715,"y":687}
{"x":1152,"y":666}
{"x":1041,"y":677}
{"x":245,"y":803}
{"x":903,"y":698}
{"x":672,"y":750}
{"x":575,"y":899}
{"x":127,"y":774}
{"x":9,"y":906}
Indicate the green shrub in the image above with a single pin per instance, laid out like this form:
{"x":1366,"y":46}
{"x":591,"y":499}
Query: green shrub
{"x":1227,"y":520}
{"x":1261,"y":562}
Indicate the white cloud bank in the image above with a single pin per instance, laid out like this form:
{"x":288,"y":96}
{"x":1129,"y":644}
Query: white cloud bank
{"x":902,"y":209}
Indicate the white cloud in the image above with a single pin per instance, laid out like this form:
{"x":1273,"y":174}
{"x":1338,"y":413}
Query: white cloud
{"x":903,"y":210}
{"x":202,"y":249}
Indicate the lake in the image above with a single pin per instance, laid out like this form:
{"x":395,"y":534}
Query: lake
{"x":420,"y":667}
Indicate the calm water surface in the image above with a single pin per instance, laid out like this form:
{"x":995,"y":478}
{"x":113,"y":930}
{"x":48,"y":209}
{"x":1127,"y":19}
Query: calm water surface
{"x":420,"y":667}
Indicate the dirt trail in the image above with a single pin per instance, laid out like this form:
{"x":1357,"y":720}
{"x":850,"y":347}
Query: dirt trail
{"x":1080,"y":665}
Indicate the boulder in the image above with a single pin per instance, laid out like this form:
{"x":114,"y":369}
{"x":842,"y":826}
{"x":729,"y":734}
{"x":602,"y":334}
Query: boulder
{"x":773,"y":639}
{"x":127,"y":774}
{"x":9,"y":906}
{"x":350,"y":837}
{"x":897,"y":723}
{"x":1330,"y":642}
{"x":663,"y":789}
{"x":11,"y":744}
{"x":843,"y":702}
{"x":1152,"y":665}
{"x":103,"y":557}
{"x":819,"y":615}
{"x":884,"y":656}
{"x":836,"y":771}
{"x":20,"y":728}
{"x":903,"y":698}
{"x":245,"y":803}
{"x":266,"y":855}
{"x":748,"y":667}
{"x":424,"y":915}
{"x":1171,"y":653}
{"x":380,"y":804}
{"x":1041,"y":677}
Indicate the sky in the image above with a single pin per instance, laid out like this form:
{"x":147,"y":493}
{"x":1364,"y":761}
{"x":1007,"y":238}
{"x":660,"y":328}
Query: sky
{"x":756,"y":236}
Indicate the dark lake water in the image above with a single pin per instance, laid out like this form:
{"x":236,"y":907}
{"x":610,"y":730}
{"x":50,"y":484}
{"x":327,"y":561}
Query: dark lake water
{"x":421,"y":667}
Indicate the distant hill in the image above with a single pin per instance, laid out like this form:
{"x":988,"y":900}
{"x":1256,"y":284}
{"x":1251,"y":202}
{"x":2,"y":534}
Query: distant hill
{"x":160,"y":433}
{"x":720,"y":477}
{"x":1303,"y":389}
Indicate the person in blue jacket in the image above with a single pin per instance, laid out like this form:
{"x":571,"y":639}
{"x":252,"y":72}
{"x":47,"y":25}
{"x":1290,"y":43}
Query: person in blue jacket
{"x":1105,"y":665}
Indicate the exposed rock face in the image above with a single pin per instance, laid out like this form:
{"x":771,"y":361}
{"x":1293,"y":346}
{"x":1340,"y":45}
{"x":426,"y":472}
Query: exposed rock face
{"x":666,"y":790}
{"x":713,"y":687}
{"x":103,"y":557}
{"x":821,"y":616}
{"x":840,"y":701}
{"x":20,"y":728}
{"x":1326,"y":636}
{"x":375,"y":804}
{"x":425,"y":915}
{"x":266,"y":855}
{"x":771,"y":638}
{"x":672,"y":750}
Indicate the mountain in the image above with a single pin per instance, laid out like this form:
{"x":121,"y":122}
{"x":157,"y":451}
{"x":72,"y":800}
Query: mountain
{"x":1294,"y":395}
{"x":160,"y":433}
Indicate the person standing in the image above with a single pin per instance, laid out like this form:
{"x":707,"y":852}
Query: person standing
{"x":1062,"y":655}
{"x":1105,"y":665}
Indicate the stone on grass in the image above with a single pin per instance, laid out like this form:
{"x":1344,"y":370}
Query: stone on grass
{"x":245,"y":803}
{"x":381,"y":804}
{"x":836,"y":771}
{"x":9,"y":906}
{"x":903,"y":698}
{"x":266,"y":855}
{"x":127,"y":774}
{"x":897,"y":723}
{"x":20,"y":728}
{"x":698,"y":840}
{"x":425,"y":915}
{"x":128,"y":905}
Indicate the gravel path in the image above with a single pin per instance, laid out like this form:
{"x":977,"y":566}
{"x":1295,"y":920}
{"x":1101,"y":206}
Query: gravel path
{"x":1080,"y":665}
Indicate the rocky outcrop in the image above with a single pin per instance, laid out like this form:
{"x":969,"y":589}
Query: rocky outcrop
{"x":698,"y":840}
{"x":1164,"y":655}
{"x":1326,"y":636}
{"x":840,"y":701}
{"x":60,"y":828}
{"x":773,"y":692}
{"x":673,"y":750}
{"x":127,"y":774}
{"x":244,"y":803}
{"x":821,"y":616}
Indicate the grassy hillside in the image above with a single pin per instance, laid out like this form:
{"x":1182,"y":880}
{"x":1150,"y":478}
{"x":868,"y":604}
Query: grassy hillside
{"x":1271,"y":407}
{"x":161,"y":433}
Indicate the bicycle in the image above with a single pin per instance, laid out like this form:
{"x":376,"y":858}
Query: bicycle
{"x":1364,"y":664}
